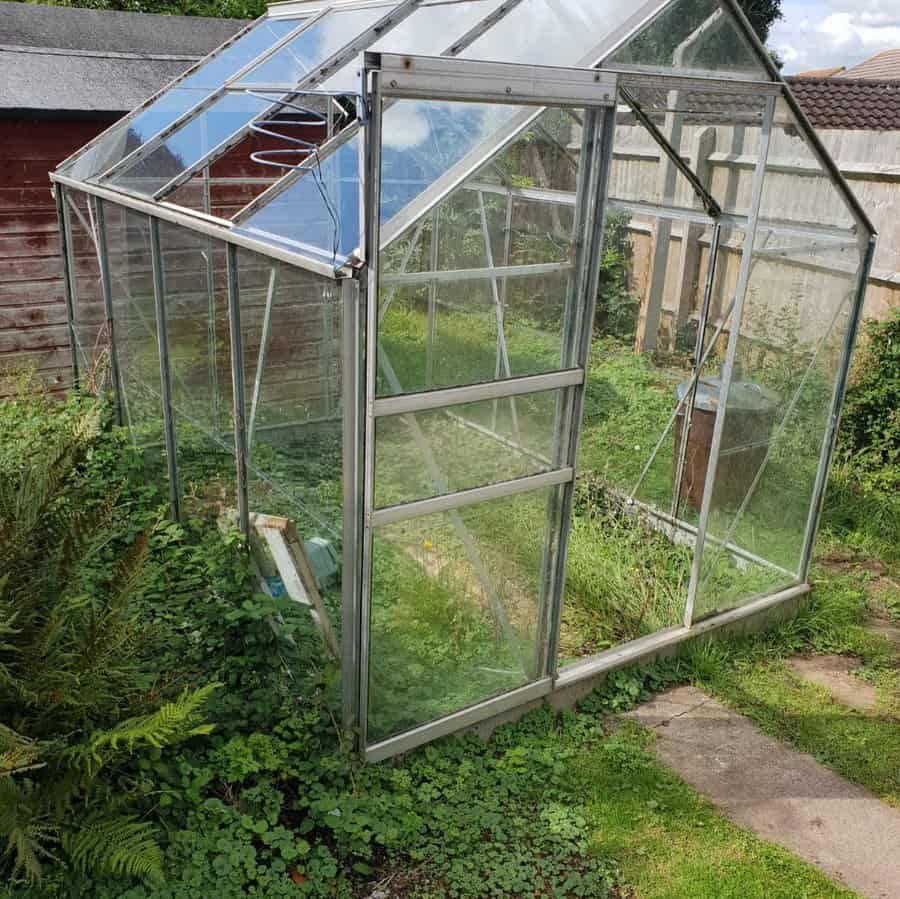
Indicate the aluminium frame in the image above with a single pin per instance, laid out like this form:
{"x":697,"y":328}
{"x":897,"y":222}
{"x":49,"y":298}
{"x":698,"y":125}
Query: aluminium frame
{"x":412,"y":77}
{"x":360,"y":294}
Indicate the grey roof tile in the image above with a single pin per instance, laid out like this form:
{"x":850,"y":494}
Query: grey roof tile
{"x":55,"y":58}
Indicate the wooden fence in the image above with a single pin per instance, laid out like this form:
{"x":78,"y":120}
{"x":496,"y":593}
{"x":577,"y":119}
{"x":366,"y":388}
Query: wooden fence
{"x":668,"y":271}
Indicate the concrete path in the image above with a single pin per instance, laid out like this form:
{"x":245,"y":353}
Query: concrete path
{"x":835,"y":674}
{"x":781,"y":794}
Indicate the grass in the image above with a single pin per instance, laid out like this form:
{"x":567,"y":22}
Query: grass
{"x":669,"y":843}
{"x":753,"y":678}
{"x":436,"y":645}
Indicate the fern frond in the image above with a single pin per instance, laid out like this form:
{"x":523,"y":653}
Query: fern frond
{"x":26,"y":829}
{"x":17,"y":753}
{"x":120,"y":846}
{"x":172,"y":723}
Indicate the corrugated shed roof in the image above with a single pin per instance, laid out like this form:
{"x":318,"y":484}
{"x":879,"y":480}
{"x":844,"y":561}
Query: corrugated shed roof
{"x":849,"y":104}
{"x":884,"y":66}
{"x":55,"y":58}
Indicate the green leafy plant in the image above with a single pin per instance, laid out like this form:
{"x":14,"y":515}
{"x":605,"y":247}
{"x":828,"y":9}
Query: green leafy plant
{"x":617,"y":304}
{"x":76,"y":686}
{"x":871,"y":421}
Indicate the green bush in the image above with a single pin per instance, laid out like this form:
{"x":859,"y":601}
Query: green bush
{"x":617,"y":306}
{"x":871,"y":422}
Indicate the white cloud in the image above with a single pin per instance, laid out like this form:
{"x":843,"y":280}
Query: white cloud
{"x":848,"y":29}
{"x":820,"y":33}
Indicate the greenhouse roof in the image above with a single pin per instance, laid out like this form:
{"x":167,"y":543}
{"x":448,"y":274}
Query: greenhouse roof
{"x":285,"y":92}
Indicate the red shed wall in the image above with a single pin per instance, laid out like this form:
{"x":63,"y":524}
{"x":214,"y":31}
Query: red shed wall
{"x":32,"y":301}
{"x":33,"y":330}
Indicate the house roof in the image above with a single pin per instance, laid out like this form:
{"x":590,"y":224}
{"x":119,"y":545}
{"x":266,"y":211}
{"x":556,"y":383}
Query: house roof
{"x":56,"y":58}
{"x":828,"y":72}
{"x":849,"y":104}
{"x":882,"y":66}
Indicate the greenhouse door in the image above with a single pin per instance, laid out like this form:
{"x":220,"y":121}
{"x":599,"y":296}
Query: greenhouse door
{"x":478,"y":324}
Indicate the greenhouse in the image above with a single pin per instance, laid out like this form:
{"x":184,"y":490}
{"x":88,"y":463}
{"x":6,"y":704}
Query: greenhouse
{"x":512,"y":335}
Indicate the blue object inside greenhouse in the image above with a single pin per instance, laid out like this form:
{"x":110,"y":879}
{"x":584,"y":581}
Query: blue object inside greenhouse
{"x":275,"y":586}
{"x":324,"y":561}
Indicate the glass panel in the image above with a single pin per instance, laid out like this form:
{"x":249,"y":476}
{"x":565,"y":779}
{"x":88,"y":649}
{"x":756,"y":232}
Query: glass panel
{"x":797,"y":189}
{"x":463,"y":344}
{"x":449,"y":314}
{"x":631,"y":544}
{"x":455,"y":610}
{"x":123,"y":139}
{"x":231,"y":181}
{"x":189,"y":143}
{"x":92,"y":340}
{"x":470,"y":445}
{"x":428,"y":31}
{"x":194,"y":280}
{"x":554,"y":32}
{"x":293,"y":62}
{"x":789,"y":350}
{"x":684,"y":444}
{"x":290,"y":325}
{"x":693,"y":36}
{"x":702,"y":127}
{"x":229,"y":62}
{"x":319,"y":213}
{"x":128,"y":135}
{"x":134,"y":310}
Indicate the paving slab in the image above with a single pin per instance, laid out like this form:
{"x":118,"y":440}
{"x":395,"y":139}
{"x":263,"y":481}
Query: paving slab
{"x":835,"y":674}
{"x":885,"y":629}
{"x":782,"y":795}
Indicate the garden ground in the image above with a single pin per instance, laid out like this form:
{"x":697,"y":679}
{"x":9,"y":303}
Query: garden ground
{"x":269,"y":804}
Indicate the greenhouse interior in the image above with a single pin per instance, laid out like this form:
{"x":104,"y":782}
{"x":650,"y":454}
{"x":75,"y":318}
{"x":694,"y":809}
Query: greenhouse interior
{"x":512,"y":335}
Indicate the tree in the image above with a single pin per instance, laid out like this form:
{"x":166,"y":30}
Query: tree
{"x":717,"y":48}
{"x":763,"y":14}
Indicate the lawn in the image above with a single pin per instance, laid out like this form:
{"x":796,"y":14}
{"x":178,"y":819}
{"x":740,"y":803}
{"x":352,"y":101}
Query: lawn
{"x":270,"y":803}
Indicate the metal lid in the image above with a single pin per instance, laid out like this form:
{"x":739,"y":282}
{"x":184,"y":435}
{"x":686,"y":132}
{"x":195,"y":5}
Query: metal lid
{"x":744,"y":395}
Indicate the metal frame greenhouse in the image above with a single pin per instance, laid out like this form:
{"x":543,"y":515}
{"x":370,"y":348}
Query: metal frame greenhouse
{"x":367,"y":237}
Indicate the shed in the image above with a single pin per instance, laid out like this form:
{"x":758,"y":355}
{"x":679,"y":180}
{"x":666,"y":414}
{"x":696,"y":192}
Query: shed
{"x":66,"y":75}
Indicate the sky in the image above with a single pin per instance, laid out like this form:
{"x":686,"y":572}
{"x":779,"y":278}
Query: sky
{"x":815,"y":34}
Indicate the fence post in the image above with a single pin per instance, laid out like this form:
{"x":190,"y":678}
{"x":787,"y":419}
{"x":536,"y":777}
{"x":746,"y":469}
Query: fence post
{"x":688,"y":278}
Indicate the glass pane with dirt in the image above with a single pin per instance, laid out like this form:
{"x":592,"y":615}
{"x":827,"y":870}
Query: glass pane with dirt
{"x":456,"y":610}
{"x":788,"y":356}
{"x":424,"y":454}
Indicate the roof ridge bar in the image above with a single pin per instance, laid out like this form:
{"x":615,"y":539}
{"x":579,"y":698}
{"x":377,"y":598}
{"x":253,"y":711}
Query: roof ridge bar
{"x":152,"y":143}
{"x":344,"y":136}
{"x":323,"y":70}
{"x":154,"y":97}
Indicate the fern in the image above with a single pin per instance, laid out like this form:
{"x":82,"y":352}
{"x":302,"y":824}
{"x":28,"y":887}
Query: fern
{"x":74,"y":655}
{"x":172,"y":723}
{"x":17,"y":753}
{"x":119,"y":845}
{"x":27,"y":829}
